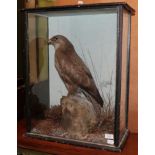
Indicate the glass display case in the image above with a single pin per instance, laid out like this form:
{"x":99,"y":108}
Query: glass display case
{"x":77,"y":74}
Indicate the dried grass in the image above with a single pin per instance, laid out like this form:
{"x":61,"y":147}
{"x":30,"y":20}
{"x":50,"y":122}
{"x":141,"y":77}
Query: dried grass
{"x":54,"y":113}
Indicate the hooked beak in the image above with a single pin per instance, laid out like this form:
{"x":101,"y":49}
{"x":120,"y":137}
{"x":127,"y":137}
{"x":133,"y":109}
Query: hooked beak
{"x":49,"y":42}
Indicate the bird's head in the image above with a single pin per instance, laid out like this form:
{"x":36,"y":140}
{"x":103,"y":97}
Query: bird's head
{"x":59,"y":41}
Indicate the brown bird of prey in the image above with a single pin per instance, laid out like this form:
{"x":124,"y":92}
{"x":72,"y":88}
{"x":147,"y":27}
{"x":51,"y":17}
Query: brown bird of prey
{"x":72,"y":70}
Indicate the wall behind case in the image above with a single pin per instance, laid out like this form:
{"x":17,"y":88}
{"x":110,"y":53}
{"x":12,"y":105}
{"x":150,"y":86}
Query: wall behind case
{"x":133,"y":90}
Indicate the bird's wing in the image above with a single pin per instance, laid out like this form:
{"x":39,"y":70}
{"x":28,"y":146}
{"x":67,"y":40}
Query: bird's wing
{"x":77,"y":70}
{"x":79,"y":73}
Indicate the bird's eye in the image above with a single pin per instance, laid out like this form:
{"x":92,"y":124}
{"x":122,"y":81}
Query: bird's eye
{"x":56,"y":38}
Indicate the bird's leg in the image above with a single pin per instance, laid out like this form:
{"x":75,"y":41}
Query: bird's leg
{"x":72,"y":90}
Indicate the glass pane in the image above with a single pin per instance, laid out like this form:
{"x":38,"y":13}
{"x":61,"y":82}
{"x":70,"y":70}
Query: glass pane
{"x":125,"y":44}
{"x":38,"y":65}
{"x":85,"y":42}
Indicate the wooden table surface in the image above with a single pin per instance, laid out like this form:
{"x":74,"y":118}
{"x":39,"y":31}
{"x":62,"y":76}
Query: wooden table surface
{"x":24,"y":142}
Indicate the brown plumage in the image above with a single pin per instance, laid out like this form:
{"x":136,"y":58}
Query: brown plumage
{"x":72,"y":70}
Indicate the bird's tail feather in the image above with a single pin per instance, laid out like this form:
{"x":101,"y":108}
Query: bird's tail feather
{"x":99,"y":99}
{"x":91,"y":98}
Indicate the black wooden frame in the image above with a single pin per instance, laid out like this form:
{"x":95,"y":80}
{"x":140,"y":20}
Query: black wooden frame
{"x":118,"y":144}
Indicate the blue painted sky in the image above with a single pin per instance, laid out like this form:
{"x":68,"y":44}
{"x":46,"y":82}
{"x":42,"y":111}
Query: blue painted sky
{"x":95,"y":34}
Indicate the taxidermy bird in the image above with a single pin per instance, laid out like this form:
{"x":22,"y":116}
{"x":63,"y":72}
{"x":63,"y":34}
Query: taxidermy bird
{"x":72,"y":70}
